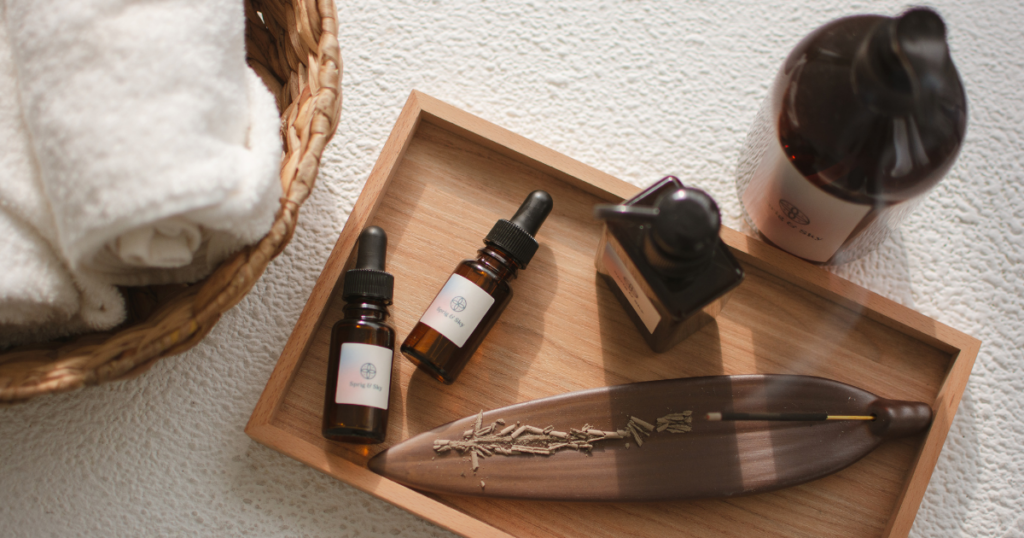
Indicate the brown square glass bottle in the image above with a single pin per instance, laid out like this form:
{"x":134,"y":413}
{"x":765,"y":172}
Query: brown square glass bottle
{"x":662,"y":259}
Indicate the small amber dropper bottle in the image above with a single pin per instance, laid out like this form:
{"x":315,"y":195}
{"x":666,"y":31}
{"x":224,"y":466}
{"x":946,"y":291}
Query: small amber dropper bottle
{"x":362,"y":349}
{"x":475,"y":295}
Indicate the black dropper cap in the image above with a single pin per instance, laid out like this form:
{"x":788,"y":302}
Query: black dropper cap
{"x":369,"y":280}
{"x":516,"y":236}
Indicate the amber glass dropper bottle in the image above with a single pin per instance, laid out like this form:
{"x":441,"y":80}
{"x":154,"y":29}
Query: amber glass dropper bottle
{"x":475,"y":295}
{"x":362,"y":349}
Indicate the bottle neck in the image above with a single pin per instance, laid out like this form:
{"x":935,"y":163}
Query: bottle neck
{"x":498,"y":261}
{"x":365,"y":309}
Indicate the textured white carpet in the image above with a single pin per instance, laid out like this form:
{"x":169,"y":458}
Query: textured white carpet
{"x":635,"y":88}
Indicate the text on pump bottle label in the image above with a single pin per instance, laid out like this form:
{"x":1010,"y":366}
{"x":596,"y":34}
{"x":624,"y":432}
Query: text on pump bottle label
{"x":794,"y":213}
{"x":628,"y":285}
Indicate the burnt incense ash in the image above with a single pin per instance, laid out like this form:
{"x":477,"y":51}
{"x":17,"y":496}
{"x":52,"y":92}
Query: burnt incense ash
{"x":499,"y":438}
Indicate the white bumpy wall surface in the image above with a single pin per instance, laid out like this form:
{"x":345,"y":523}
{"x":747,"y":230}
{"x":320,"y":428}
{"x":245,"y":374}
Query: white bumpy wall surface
{"x":636,"y":89}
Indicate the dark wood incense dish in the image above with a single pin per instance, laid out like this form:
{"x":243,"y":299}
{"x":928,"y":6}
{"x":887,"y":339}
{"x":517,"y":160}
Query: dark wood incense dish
{"x":614,"y":443}
{"x":442,"y":180}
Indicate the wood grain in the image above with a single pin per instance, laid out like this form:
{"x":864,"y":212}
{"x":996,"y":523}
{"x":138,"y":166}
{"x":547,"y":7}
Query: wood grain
{"x":443,"y":178}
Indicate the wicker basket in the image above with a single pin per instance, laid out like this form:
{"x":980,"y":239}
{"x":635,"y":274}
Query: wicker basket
{"x":293,"y":46}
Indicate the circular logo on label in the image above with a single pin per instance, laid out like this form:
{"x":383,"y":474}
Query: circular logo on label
{"x":459,"y":304}
{"x":368,"y":371}
{"x":793,"y":213}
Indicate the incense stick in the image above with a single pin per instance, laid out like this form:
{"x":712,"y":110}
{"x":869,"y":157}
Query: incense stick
{"x":728,"y":415}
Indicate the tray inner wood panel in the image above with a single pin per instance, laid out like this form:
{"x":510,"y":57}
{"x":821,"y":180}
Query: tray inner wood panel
{"x":564,"y":331}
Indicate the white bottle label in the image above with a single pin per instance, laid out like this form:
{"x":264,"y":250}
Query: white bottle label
{"x":629,"y":286}
{"x":364,"y":375}
{"x":457,"y":309}
{"x":795,"y":214}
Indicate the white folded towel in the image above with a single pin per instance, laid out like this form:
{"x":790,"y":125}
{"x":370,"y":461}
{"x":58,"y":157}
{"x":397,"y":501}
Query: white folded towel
{"x":158,"y":148}
{"x":145,"y":151}
{"x":36,"y":289}
{"x":39,"y":297}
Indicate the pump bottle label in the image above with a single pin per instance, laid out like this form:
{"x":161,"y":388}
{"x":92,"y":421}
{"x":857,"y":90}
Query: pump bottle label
{"x":795,"y":214}
{"x":364,"y":375}
{"x":612,"y":261}
{"x":457,"y":309}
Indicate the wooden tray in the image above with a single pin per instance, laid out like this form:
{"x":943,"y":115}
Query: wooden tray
{"x":442,"y":180}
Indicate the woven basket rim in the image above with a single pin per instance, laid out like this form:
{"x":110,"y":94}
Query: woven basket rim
{"x":293,"y":47}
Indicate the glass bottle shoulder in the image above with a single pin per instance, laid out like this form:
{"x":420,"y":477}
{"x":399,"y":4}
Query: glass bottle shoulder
{"x":489,"y":274}
{"x":366,"y":326}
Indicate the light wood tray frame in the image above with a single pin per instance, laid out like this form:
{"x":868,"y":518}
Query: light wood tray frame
{"x":442,"y":179}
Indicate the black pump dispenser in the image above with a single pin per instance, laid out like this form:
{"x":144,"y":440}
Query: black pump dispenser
{"x":903,"y":63}
{"x":685,"y":233}
{"x":516,"y":235}
{"x":681,"y":231}
{"x":369,"y":279}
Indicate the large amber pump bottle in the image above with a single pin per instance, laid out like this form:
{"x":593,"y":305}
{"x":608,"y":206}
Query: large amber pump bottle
{"x":865,"y":116}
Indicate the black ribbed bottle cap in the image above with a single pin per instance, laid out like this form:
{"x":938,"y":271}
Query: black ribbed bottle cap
{"x":515,"y":236}
{"x":369,"y":280}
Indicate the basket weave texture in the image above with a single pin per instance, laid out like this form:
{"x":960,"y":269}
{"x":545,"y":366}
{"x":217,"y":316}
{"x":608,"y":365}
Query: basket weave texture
{"x":293,"y":46}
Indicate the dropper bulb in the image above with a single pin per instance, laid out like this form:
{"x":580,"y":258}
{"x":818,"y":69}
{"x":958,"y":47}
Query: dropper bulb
{"x":373,"y":247}
{"x":534,"y":210}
